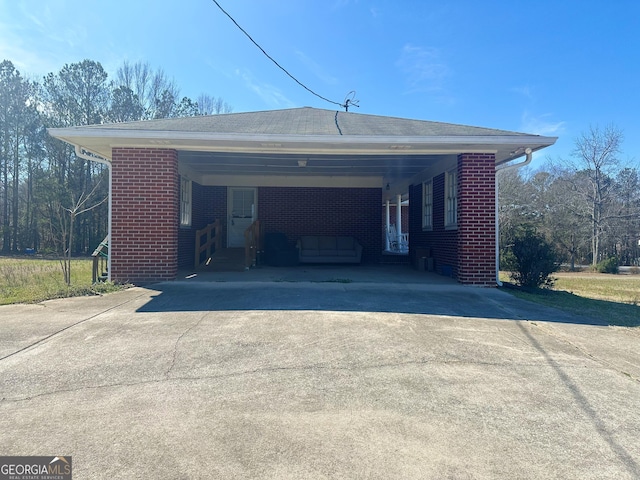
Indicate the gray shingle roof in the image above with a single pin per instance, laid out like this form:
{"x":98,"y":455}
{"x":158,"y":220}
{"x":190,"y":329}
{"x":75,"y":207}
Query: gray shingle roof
{"x":305,"y":121}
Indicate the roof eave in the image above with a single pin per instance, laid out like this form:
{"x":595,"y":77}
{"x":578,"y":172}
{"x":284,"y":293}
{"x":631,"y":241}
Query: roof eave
{"x":103,"y":140}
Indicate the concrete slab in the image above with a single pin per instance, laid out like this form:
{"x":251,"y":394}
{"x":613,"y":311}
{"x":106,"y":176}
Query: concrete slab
{"x":347,"y":273}
{"x":318,"y":379}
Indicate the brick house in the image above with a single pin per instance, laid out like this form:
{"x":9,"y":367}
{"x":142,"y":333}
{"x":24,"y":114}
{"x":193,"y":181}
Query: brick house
{"x":301,"y":171}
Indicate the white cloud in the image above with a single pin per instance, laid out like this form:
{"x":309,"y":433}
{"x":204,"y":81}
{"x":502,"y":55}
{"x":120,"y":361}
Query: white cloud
{"x":27,"y":60}
{"x":424,"y":68}
{"x":37,"y":20}
{"x":36,"y":40}
{"x":316,"y":69}
{"x":541,"y":124}
{"x":524,"y":90}
{"x":271,"y":95}
{"x":338,"y":4}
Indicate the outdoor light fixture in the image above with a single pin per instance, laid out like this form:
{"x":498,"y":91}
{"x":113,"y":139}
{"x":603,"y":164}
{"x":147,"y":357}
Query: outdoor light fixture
{"x":302,"y":163}
{"x":388,"y":186}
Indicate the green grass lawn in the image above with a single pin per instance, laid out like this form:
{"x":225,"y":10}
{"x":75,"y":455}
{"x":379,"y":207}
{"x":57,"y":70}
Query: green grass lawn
{"x":614,"y":299}
{"x":30,"y":280}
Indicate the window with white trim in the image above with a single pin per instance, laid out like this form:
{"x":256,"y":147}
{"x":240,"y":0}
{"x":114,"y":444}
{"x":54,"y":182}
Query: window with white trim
{"x":427,"y":205}
{"x":185,"y":202}
{"x":451,"y":199}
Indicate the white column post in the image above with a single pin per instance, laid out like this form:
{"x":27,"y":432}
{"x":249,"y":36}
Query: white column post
{"x":387,"y":245}
{"x":399,"y":220}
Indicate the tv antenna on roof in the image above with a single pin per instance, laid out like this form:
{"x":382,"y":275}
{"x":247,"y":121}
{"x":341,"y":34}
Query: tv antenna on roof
{"x":350,"y":99}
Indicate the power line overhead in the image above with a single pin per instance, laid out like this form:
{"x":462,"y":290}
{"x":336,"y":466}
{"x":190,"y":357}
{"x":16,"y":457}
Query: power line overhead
{"x":348,"y":101}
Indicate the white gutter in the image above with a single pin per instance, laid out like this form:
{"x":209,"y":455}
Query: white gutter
{"x":529,"y":155}
{"x":271,"y":140}
{"x":103,"y":139}
{"x":94,"y":157}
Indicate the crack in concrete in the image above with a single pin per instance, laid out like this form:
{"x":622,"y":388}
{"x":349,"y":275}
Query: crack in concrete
{"x":582,"y":402}
{"x":92,"y":317}
{"x":605,"y":363}
{"x":256,"y":371}
{"x":545,"y":327}
{"x":180,"y":337}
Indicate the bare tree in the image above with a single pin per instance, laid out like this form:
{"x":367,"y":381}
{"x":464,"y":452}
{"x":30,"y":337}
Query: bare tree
{"x":78,"y":207}
{"x":210,"y":105}
{"x":156,"y":94}
{"x":77,"y":95}
{"x":39,"y":174}
{"x":627,"y":228}
{"x":596,"y":160}
{"x":564,"y":224}
{"x":512,"y":205}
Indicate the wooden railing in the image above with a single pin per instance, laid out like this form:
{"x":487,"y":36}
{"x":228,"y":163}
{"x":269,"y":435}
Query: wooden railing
{"x":252,"y":244}
{"x":213,"y":233}
{"x":101,"y":261}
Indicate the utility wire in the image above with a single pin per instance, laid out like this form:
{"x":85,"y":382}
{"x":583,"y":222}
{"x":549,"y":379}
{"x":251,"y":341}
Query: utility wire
{"x":345,"y":105}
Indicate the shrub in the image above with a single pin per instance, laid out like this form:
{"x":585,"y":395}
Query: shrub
{"x":530,"y":258}
{"x":608,"y":265}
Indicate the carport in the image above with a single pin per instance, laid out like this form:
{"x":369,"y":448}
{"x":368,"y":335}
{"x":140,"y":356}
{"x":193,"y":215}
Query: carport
{"x":300,"y":171}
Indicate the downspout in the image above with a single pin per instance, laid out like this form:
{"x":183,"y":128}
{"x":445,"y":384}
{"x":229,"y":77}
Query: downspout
{"x":387,"y":245}
{"x":529,"y":155}
{"x":94,"y":157}
{"x":399,"y":221}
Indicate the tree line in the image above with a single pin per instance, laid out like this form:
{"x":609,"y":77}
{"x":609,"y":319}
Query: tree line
{"x":587,"y":206}
{"x":43,"y":184}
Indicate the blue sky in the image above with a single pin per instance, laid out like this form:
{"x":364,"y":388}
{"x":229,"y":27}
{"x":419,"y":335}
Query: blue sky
{"x":544,"y":67}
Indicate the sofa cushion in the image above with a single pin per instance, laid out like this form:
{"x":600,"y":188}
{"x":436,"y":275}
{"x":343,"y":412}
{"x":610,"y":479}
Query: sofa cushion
{"x":309,"y":242}
{"x":346,"y":243}
{"x":329,"y":249}
{"x":327,"y":243}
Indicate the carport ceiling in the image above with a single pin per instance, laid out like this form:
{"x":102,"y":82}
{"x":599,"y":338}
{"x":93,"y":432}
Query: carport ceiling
{"x":389,"y":167}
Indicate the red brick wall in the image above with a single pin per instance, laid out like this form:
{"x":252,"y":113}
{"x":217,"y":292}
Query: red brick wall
{"x":440,"y":243}
{"x":469,"y":250}
{"x":145,"y":215}
{"x":324,"y":211}
{"x":476,"y":219}
{"x":209,"y":203}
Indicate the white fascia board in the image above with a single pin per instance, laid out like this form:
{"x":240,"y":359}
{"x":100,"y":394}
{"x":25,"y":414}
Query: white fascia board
{"x":228,"y":142}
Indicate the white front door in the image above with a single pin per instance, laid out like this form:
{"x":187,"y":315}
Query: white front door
{"x":242,"y":210}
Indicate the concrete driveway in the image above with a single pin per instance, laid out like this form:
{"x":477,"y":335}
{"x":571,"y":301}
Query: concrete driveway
{"x":318,"y":380}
